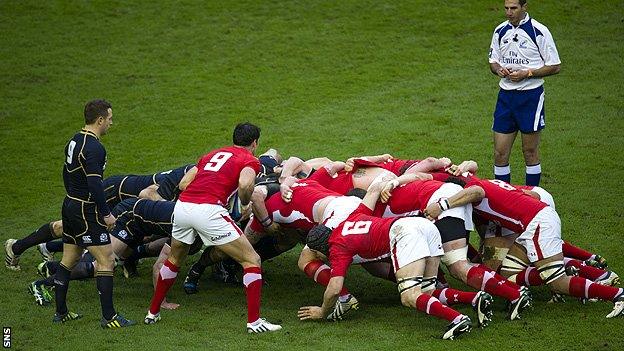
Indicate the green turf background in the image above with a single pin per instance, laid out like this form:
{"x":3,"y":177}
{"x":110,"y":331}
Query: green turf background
{"x":322,"y":78}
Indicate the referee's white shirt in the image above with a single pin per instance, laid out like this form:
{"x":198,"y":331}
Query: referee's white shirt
{"x":527,"y":46}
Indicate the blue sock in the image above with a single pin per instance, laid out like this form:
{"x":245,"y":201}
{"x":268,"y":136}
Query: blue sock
{"x":533,"y":174}
{"x":503,"y":173}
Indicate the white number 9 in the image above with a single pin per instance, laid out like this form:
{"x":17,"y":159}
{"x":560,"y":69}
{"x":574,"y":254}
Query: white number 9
{"x":217,"y":161}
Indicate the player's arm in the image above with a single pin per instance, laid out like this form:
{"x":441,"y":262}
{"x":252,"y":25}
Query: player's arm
{"x":329,"y":300}
{"x":466,"y":196}
{"x":246,"y":181}
{"x":188,"y":178}
{"x":495,"y":67}
{"x":94,"y":159}
{"x":350,"y":163}
{"x":430,"y":164}
{"x":406,"y":178}
{"x":543,"y":71}
{"x":464,"y":167}
{"x":151,"y":193}
{"x":293,"y":165}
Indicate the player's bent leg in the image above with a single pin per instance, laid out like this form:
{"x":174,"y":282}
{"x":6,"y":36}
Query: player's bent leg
{"x":242,"y":252}
{"x":162,"y":256}
{"x":551,"y":269}
{"x":166,"y":278}
{"x":409,"y":280}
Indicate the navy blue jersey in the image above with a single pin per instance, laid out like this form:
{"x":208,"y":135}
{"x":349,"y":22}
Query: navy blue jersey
{"x":168,"y":182}
{"x":121,"y":187}
{"x":85,"y":160}
{"x":140,"y":218}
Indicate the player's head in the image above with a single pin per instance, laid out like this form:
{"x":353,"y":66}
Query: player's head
{"x":318,"y":237}
{"x":515,"y":10}
{"x":246,"y":135}
{"x":99,"y":113}
{"x":455,"y":180}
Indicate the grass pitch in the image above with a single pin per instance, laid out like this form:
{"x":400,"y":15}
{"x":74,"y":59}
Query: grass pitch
{"x":322,"y":78}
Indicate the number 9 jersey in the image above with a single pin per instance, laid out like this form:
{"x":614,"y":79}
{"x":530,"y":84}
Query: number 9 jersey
{"x":217,"y":175}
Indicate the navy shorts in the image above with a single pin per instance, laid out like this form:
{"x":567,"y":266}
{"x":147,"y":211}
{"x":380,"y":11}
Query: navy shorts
{"x":82,"y":225}
{"x":521,"y":110}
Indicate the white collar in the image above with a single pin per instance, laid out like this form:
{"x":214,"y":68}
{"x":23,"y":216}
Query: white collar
{"x":522,"y":21}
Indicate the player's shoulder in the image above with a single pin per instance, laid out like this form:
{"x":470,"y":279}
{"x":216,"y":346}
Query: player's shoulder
{"x":500,"y":26}
{"x":538,"y":25}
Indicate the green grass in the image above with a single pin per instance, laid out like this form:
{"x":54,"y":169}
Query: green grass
{"x":322,"y":78}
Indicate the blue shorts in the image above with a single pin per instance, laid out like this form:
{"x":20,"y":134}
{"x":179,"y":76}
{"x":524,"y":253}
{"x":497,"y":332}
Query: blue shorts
{"x":519,"y":110}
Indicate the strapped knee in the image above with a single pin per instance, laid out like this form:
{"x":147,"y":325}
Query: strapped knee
{"x":456,"y":255}
{"x":552,"y":271}
{"x":428,"y":284}
{"x":513,"y":264}
{"x":408,"y":283}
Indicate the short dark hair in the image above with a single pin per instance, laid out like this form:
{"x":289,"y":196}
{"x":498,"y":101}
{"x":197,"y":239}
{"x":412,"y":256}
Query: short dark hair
{"x":357,"y":192}
{"x":96,"y":108}
{"x":522,"y":2}
{"x":318,"y":238}
{"x":456,"y":180}
{"x":245,"y":134}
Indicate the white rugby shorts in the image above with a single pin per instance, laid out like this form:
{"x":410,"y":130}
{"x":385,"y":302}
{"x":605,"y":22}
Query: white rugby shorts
{"x":464,"y":212}
{"x":211,"y":222}
{"x":542,"y":237}
{"x":413,"y":238}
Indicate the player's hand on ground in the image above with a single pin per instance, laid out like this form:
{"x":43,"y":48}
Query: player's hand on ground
{"x":432,"y":211}
{"x":169,"y":305}
{"x":386,"y":192}
{"x":310,"y":312}
{"x":110,"y":220}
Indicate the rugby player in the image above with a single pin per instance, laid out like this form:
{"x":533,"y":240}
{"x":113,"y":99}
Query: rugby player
{"x":415,"y":245}
{"x":200,"y":211}
{"x":86,"y":216}
{"x":539,"y":243}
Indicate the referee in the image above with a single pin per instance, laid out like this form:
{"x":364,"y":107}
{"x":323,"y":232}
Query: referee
{"x":86,"y":216}
{"x":522,"y":52}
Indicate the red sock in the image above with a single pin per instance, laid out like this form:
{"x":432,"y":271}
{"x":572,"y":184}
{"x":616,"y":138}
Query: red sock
{"x":431,"y":306}
{"x":481,"y":279}
{"x":166,"y":278}
{"x":581,"y":287}
{"x":529,"y":277}
{"x":321,"y":273}
{"x":585,"y":271}
{"x":572,"y":251}
{"x":448,"y":296}
{"x":500,"y":277}
{"x":252,"y":279}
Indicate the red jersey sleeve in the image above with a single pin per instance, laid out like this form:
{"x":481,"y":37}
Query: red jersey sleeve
{"x":340,"y":259}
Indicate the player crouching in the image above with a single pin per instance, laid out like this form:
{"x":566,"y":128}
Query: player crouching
{"x":415,"y":247}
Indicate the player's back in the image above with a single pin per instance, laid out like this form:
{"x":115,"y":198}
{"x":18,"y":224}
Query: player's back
{"x":504,"y":203}
{"x":217,"y":175}
{"x":84,"y":155}
{"x":413,"y":196}
{"x":366,"y":235}
{"x":341,"y":182}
